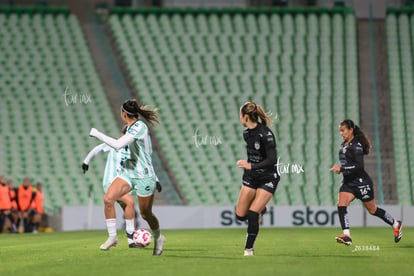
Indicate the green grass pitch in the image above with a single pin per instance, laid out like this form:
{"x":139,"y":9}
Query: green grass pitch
{"x":278,"y":251}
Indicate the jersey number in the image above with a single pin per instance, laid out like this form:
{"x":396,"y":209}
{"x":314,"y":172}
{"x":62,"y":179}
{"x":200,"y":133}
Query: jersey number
{"x":365,"y":190}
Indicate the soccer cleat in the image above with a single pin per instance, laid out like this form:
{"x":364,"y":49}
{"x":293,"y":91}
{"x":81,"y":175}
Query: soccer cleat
{"x":129,"y":236}
{"x":248,"y":252}
{"x":398,"y":231}
{"x":133,"y":245}
{"x":111,"y":241}
{"x":130,"y":239}
{"x":344,"y":239}
{"x":159,"y":246}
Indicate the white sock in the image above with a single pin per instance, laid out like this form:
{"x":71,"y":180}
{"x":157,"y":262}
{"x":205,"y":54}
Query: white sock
{"x":156,"y":233}
{"x":395,"y":224}
{"x":111,"y":226}
{"x":347,"y":232}
{"x":129,"y":226}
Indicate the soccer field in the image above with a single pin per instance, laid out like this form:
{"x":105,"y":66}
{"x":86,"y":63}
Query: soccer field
{"x":278,"y":251}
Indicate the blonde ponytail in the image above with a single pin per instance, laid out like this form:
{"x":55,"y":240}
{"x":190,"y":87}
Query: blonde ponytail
{"x":256,"y":113}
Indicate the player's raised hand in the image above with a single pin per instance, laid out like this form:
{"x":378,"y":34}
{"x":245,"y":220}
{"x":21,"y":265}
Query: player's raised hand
{"x":85,"y":167}
{"x":93,"y":132}
{"x":158,"y":186}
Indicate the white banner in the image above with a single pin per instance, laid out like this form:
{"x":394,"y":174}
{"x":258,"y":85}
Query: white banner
{"x":188,"y":217}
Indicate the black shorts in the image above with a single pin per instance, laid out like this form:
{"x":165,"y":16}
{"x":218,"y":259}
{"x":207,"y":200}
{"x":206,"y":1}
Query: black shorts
{"x":363,"y":190}
{"x":268,"y":183}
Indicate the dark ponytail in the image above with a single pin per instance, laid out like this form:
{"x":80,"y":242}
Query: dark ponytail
{"x":133,"y":110}
{"x":358,"y":134}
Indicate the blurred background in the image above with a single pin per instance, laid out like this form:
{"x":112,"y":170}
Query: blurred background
{"x":67,"y":66}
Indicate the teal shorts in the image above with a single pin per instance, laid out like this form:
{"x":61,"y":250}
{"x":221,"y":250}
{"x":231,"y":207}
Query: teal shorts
{"x":106,"y":185}
{"x":142,"y":187}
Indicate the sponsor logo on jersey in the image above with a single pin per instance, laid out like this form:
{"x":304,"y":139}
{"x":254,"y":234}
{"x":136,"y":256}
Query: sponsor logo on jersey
{"x":257,"y":145}
{"x":246,"y":183}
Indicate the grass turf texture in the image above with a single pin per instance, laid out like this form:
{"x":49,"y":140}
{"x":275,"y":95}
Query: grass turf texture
{"x":286,"y":251}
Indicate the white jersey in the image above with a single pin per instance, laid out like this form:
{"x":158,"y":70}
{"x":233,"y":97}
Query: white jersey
{"x":139,"y":164}
{"x":114,"y":163}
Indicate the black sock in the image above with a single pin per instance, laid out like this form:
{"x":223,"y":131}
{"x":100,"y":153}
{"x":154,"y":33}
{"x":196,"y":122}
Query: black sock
{"x":2,"y":220}
{"x":343,"y":217}
{"x":27,"y":225}
{"x":252,"y":228}
{"x":381,"y":213}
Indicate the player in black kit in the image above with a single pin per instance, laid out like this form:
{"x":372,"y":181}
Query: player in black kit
{"x":356,"y":182}
{"x":260,"y":176}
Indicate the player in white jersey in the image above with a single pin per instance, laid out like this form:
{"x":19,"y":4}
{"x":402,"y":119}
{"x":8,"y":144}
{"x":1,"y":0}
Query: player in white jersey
{"x":114,"y":163}
{"x":136,"y":174}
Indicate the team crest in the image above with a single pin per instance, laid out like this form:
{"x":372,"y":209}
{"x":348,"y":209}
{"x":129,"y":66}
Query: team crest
{"x":257,"y":145}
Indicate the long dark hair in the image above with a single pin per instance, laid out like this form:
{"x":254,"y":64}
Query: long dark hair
{"x":359,"y":135}
{"x":256,"y":113}
{"x":133,"y":110}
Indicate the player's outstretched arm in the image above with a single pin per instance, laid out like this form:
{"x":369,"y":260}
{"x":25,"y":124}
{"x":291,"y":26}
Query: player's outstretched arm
{"x":117,"y":144}
{"x":91,"y":155}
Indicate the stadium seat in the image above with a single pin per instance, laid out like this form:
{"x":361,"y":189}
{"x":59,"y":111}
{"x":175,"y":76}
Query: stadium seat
{"x":52,"y":75}
{"x":399,"y":44}
{"x":208,"y":65}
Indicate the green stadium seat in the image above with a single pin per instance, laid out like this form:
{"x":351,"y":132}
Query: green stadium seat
{"x":53,"y":56}
{"x":401,"y":84}
{"x":207,"y":66}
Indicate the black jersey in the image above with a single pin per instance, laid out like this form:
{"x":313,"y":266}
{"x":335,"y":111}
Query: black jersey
{"x":261,"y":151}
{"x":351,"y":157}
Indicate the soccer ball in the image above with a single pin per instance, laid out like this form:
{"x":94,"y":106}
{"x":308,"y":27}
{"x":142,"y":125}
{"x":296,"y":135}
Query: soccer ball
{"x":142,"y":237}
